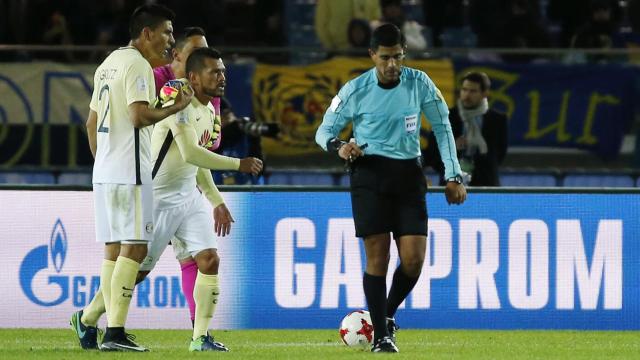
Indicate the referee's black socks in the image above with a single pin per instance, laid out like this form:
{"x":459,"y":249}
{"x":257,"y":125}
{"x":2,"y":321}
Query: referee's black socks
{"x":400,"y":288}
{"x":375,"y":291}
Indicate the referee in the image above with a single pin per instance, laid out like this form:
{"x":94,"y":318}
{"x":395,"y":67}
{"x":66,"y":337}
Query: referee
{"x":387,"y":184}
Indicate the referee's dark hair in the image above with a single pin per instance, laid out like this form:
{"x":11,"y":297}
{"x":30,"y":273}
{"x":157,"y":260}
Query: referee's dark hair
{"x":186,"y":33}
{"x":478,"y":78}
{"x":195,"y":62}
{"x":148,"y":16}
{"x":387,"y":35}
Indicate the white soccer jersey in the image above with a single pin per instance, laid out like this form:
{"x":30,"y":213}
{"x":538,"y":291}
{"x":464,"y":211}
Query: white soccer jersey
{"x":123,"y":153}
{"x":174,"y":179}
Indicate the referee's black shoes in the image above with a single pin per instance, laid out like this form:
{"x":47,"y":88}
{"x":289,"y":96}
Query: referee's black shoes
{"x":385,"y":344}
{"x":392,"y":328}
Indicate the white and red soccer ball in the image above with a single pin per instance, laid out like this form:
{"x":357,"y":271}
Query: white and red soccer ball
{"x":356,"y":329}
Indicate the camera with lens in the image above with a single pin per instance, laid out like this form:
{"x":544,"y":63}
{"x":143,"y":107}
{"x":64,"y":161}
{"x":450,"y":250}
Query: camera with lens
{"x":256,"y":128}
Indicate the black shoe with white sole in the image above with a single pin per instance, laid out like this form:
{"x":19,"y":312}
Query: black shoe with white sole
{"x":385,"y":344}
{"x":115,"y":339}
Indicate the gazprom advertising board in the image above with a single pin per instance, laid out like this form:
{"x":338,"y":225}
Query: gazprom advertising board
{"x":500,"y":261}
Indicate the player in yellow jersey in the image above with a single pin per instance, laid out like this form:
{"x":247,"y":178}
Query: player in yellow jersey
{"x":120,"y":139}
{"x":182,"y":161}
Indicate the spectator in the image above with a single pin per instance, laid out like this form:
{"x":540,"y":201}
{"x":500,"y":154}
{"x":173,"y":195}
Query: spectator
{"x":211,"y":15}
{"x":522,"y":29}
{"x":57,"y":33}
{"x":442,"y":14}
{"x":269,"y":30}
{"x":241,"y":137}
{"x":572,"y":14}
{"x":393,"y":13}
{"x":359,"y":35}
{"x":599,"y":31}
{"x":480,"y":132}
{"x":486,"y":20}
{"x":332,"y":20}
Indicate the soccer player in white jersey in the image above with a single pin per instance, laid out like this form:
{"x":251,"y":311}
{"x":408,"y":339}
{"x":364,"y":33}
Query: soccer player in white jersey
{"x":179,"y":146}
{"x":120,"y":141}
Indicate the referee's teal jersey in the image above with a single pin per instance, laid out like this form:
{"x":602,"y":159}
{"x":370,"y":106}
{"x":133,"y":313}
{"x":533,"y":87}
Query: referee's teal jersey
{"x":388,"y":120}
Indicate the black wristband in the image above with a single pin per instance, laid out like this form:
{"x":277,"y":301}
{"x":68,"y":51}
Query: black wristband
{"x":456,"y":179}
{"x":334,"y":145}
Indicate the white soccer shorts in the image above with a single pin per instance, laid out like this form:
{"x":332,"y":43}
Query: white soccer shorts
{"x":123,"y":212}
{"x":189,"y":227}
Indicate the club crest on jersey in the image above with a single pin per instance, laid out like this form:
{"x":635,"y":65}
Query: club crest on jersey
{"x":206,"y":140}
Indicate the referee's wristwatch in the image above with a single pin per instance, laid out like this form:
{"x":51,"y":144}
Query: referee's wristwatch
{"x":456,"y":179}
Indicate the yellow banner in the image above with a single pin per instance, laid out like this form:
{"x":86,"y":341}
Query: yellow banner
{"x":296,"y":97}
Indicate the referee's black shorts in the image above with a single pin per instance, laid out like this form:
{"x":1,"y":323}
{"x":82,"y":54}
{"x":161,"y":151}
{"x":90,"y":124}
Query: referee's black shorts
{"x":388,"y":195}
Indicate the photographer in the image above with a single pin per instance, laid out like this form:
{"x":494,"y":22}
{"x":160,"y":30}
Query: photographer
{"x":241,"y":135}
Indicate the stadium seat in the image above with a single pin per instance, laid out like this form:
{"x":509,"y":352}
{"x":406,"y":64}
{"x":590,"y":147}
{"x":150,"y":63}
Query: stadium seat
{"x":300,"y":178}
{"x":434,"y":179}
{"x":345,"y":180}
{"x":74,"y":179}
{"x":598,"y":180}
{"x":458,"y":37}
{"x":32,"y":178}
{"x":312,"y":179}
{"x":279,"y":178}
{"x":528,"y":179}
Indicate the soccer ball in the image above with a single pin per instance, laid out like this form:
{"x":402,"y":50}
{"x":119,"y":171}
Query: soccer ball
{"x":356,"y":329}
{"x":170,"y":90}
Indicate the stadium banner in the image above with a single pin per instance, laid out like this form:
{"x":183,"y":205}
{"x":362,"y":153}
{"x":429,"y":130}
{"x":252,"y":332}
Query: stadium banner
{"x":54,"y":93}
{"x":528,"y":261}
{"x":296,"y":97}
{"x":44,"y":106}
{"x":579,"y":106}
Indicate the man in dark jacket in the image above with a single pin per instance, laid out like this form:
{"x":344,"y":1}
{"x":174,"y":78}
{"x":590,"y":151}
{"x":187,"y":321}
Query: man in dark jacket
{"x":481,"y":133}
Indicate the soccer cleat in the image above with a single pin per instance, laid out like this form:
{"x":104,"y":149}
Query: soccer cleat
{"x":120,"y":341}
{"x":87,"y":335}
{"x":206,"y":343}
{"x":385,"y":344}
{"x":392,"y":328}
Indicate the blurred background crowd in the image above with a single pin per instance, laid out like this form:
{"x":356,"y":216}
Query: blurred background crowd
{"x":571,"y":59}
{"x":336,"y":25}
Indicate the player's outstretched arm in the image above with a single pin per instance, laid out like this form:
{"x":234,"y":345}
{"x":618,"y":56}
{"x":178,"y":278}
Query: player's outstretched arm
{"x":221,"y":216}
{"x":187,"y":140}
{"x":250,"y":165}
{"x":92,"y":123}
{"x":142,"y":115}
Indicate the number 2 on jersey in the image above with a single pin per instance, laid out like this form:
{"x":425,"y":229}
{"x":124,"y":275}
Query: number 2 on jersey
{"x":103,"y":128}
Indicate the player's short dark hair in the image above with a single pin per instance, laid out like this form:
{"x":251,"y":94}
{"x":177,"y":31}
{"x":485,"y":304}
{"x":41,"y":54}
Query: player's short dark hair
{"x":186,"y":33}
{"x":478,"y":78}
{"x":148,"y":16}
{"x":195,"y":62}
{"x":387,"y":35}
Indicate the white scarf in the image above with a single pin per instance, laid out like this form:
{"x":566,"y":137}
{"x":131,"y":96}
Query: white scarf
{"x":473,"y":134}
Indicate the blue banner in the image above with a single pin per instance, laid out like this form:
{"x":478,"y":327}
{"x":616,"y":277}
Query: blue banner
{"x":528,"y":261}
{"x":500,"y":261}
{"x":578,"y":106}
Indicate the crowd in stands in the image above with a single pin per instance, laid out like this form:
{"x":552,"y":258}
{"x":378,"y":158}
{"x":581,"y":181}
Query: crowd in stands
{"x":339,"y":24}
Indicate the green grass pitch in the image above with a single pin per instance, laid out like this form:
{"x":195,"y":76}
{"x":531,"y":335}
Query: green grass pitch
{"x":324,"y":344}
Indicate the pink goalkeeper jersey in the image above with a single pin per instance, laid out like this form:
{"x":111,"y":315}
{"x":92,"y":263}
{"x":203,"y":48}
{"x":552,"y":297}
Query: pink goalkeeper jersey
{"x":162,"y":74}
